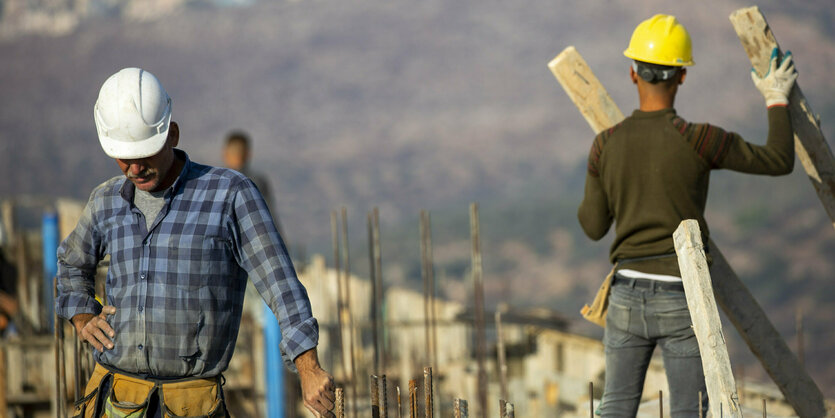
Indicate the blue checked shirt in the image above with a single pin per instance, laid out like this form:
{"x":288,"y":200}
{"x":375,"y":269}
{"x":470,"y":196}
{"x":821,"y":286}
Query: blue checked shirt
{"x":178,"y":288}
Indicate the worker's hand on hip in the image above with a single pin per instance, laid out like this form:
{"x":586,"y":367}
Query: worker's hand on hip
{"x":777,"y":83}
{"x":94,"y":328}
{"x":317,"y":385}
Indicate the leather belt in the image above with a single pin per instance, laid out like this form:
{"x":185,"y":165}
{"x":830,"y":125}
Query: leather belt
{"x":648,"y":284}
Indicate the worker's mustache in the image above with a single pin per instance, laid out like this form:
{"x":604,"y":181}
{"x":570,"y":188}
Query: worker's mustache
{"x":148,"y":172}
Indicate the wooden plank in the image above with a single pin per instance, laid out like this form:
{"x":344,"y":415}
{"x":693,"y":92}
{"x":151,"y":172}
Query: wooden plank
{"x":719,"y":379}
{"x":735,"y":299}
{"x":585,"y":90}
{"x":812,"y":149}
{"x":762,"y":338}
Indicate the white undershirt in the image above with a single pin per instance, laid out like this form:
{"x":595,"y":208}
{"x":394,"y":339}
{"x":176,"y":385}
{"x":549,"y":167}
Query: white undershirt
{"x":635,"y":274}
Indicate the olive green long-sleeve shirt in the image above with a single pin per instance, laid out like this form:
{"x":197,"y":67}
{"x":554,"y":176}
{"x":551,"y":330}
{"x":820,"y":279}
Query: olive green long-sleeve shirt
{"x":651,"y":171}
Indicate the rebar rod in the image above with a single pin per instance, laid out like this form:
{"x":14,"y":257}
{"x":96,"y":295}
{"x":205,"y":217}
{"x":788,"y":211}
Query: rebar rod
{"x":478,"y":289}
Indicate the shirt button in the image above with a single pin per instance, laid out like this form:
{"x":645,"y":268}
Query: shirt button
{"x":140,"y":309}
{"x":142,"y":276}
{"x":139,"y":346}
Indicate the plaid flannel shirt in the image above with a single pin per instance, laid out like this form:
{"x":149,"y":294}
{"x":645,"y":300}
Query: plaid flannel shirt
{"x":178,"y":288}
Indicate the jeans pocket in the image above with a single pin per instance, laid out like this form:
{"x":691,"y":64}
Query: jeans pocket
{"x":617,"y":324}
{"x":679,"y":338}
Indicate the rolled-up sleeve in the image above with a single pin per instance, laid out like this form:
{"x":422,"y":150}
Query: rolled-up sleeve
{"x":260,"y":251}
{"x":78,"y":256}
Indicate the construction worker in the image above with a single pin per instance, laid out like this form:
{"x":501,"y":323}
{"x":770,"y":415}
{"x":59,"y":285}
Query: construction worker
{"x":647,"y":174}
{"x":182,"y":238}
{"x":236,"y":155}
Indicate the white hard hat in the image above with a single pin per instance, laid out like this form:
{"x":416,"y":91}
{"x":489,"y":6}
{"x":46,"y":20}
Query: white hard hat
{"x":132,"y":114}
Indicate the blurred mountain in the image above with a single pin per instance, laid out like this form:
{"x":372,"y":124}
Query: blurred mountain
{"x":429,"y":104}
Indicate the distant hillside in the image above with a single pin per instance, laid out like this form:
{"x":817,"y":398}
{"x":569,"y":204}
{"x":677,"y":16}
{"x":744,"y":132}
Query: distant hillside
{"x":435,"y":104}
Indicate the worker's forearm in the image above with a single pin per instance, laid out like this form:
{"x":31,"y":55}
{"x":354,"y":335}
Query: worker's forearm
{"x":307,"y":361}
{"x":781,"y":136}
{"x":593,"y":213}
{"x":774,"y":158}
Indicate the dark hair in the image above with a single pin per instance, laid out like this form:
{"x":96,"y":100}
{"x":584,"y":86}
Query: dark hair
{"x":654,"y":73}
{"x":237,"y":137}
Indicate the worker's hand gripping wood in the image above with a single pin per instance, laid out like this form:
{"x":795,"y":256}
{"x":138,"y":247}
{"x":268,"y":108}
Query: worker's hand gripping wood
{"x":776,"y":85}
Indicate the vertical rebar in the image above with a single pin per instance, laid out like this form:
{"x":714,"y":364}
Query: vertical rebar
{"x":375,"y":397}
{"x":3,"y":383}
{"x":384,"y":400}
{"x":660,"y":404}
{"x":378,"y":265}
{"x":510,"y":411}
{"x":372,"y":272}
{"x":427,"y":391}
{"x":413,"y":398}
{"x":460,"y":409}
{"x":478,"y":286}
{"x":433,"y":313}
{"x":60,"y":360}
{"x":432,"y":288}
{"x":500,"y":353}
{"x":424,"y":275}
{"x":346,"y":277}
{"x":76,"y":355}
{"x":339,"y":408}
{"x":591,"y":399}
{"x":338,"y":272}
{"x":765,"y":414}
{"x":399,"y":403}
{"x":799,"y":324}
{"x":701,"y":408}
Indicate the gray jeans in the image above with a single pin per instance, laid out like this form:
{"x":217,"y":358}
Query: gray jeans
{"x":638,"y":319}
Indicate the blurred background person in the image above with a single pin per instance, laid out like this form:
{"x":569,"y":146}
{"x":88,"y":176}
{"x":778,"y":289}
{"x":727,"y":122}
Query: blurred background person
{"x":236,"y":154}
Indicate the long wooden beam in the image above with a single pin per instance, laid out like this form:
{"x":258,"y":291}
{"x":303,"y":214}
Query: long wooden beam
{"x":695,"y":274}
{"x":736,"y":301}
{"x":585,"y":90}
{"x":812,"y":150}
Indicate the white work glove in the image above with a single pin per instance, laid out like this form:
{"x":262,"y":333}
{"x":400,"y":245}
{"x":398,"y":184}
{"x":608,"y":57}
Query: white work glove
{"x":778,"y":81}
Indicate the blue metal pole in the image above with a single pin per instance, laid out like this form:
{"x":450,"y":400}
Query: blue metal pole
{"x":274,"y":365}
{"x":49,"y":235}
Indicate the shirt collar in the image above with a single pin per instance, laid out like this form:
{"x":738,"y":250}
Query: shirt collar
{"x":128,"y":189}
{"x":638,"y":113}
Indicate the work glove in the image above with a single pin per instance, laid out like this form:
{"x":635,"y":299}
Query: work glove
{"x":778,"y":81}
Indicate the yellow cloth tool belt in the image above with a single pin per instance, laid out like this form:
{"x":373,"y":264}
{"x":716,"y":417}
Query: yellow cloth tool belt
{"x":128,"y":396}
{"x":596,"y":313}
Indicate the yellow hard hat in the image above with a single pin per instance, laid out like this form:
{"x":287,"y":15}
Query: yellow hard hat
{"x":661,"y":40}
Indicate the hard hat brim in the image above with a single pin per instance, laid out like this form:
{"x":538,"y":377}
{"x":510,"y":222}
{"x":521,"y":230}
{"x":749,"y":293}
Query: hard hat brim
{"x":677,"y":63}
{"x":126,"y":150}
